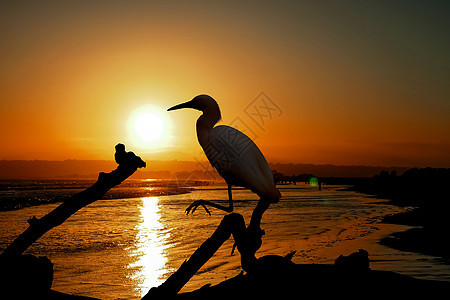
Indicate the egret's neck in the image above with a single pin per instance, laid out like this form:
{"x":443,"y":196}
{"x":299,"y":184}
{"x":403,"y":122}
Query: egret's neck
{"x":204,"y":125}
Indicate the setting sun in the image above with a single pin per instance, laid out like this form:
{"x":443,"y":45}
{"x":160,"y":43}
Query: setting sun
{"x":149,"y":126}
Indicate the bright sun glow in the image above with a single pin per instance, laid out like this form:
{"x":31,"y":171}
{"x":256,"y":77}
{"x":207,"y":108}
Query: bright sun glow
{"x":149,"y":126}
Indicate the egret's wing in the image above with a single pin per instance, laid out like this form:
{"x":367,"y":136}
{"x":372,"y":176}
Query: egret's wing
{"x":224,"y":148}
{"x":238,"y":160}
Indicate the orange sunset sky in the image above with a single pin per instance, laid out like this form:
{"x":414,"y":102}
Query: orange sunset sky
{"x":349,"y":82}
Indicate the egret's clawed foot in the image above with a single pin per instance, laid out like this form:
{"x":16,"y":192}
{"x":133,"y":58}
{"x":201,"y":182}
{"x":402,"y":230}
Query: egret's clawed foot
{"x":194,"y":206}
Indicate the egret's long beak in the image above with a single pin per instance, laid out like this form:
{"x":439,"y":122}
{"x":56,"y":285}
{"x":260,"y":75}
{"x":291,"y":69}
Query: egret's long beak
{"x":182,"y":105}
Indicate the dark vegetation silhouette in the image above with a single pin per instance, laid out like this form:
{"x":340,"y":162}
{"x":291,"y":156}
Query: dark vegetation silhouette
{"x":280,"y":178}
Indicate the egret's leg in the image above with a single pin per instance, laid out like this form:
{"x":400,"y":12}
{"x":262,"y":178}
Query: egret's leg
{"x":230,"y":199}
{"x":205,"y":203}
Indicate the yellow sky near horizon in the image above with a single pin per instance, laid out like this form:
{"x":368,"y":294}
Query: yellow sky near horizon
{"x":355,"y":83}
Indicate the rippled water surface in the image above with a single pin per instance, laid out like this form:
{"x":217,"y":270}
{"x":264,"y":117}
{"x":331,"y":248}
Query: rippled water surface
{"x":120,"y":248}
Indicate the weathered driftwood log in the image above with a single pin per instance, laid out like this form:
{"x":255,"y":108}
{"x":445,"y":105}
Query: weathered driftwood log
{"x":230,"y":224}
{"x":128,"y":164}
{"x":247,"y":240}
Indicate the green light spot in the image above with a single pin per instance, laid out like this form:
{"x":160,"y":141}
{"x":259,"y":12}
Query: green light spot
{"x":313,"y":181}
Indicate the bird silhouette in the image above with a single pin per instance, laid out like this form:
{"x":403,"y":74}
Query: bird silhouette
{"x":232,"y":153}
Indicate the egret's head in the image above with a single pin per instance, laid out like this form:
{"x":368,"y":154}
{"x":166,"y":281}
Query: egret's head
{"x":204,"y":103}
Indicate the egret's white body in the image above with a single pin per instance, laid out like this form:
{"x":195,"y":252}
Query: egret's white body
{"x":239,"y":161}
{"x":232,"y":153}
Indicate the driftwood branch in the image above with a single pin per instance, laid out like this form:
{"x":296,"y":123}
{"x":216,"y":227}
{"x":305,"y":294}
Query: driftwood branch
{"x":128,"y":164}
{"x":247,"y":240}
{"x":231,"y":224}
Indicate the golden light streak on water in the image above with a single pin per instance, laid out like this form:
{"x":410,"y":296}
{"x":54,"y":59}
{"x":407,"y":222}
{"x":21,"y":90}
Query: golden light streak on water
{"x":149,"y":251}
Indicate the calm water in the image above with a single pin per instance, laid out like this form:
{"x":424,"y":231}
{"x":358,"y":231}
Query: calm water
{"x":119,"y":248}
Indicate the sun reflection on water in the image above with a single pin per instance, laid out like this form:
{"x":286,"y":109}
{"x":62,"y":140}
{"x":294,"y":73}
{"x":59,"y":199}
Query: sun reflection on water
{"x":149,"y":252}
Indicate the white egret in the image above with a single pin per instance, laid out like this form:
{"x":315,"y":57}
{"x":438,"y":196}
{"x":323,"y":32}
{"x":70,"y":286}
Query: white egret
{"x":234,"y":155}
